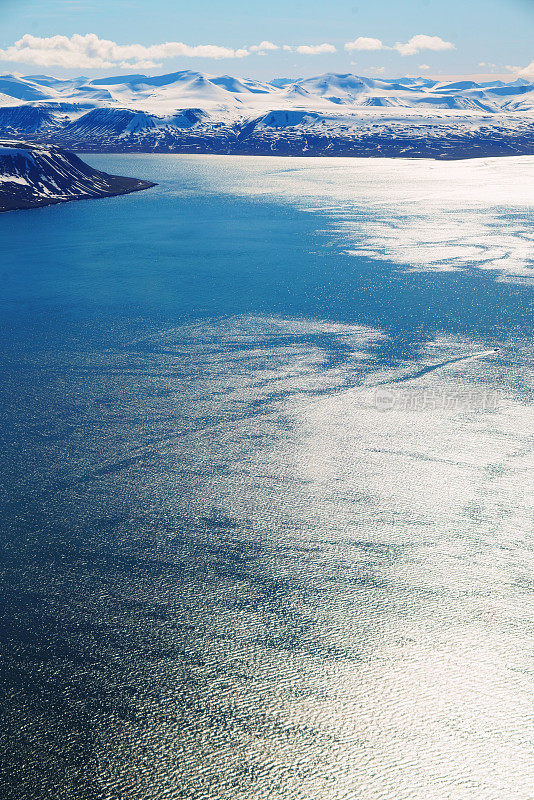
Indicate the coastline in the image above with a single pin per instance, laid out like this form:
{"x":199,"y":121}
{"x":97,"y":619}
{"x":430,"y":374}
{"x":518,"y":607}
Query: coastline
{"x":134,"y":185}
{"x":451,"y":148}
{"x":33,"y":175}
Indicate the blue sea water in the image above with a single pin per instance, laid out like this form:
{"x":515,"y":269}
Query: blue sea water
{"x":232,"y":567}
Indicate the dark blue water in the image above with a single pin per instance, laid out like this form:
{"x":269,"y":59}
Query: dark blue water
{"x":172,"y":562}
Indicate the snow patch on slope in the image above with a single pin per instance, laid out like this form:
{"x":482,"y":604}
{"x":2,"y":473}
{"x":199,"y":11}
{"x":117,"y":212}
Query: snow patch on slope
{"x":32,"y":174}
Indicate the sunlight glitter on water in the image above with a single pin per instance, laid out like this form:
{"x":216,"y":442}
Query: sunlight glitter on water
{"x":389,"y":654}
{"x":421,"y":611}
{"x":266,"y":508}
{"x":422,"y":214}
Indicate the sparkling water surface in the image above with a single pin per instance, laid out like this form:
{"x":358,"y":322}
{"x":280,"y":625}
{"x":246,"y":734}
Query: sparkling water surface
{"x":266,"y":484}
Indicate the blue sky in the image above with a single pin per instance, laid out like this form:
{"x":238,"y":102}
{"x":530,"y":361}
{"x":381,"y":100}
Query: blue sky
{"x":300,"y":37}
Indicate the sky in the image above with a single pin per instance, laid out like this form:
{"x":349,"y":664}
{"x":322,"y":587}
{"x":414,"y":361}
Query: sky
{"x":290,"y":38}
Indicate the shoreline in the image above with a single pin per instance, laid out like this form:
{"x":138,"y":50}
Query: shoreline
{"x":28,"y":205}
{"x":34,"y":175}
{"x":355,"y":156}
{"x":441,"y":150}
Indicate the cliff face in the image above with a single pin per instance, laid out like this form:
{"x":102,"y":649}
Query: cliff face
{"x":35,"y":175}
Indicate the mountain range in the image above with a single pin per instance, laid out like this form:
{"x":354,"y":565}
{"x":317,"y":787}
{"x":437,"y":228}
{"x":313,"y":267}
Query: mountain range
{"x":331,"y":114}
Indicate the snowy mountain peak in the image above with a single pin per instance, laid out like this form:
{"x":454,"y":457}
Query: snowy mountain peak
{"x":165,"y":94}
{"x":166,"y":112}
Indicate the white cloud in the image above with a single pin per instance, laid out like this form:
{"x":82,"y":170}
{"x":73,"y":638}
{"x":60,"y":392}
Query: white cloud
{"x":424,"y":66}
{"x":527,"y":72}
{"x":365,"y":43}
{"x":422,"y":42}
{"x":315,"y":49}
{"x":91,"y":52}
{"x":262,"y":47}
{"x":415,"y":45}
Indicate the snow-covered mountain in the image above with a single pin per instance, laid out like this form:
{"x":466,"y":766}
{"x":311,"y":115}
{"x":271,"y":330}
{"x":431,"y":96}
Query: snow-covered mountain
{"x":330,"y":114}
{"x":35,"y":175}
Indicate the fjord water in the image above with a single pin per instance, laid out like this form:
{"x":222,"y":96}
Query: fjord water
{"x":254,"y":545}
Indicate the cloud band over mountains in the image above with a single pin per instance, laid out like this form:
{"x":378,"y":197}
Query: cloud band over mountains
{"x":88,"y":51}
{"x":91,"y":52}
